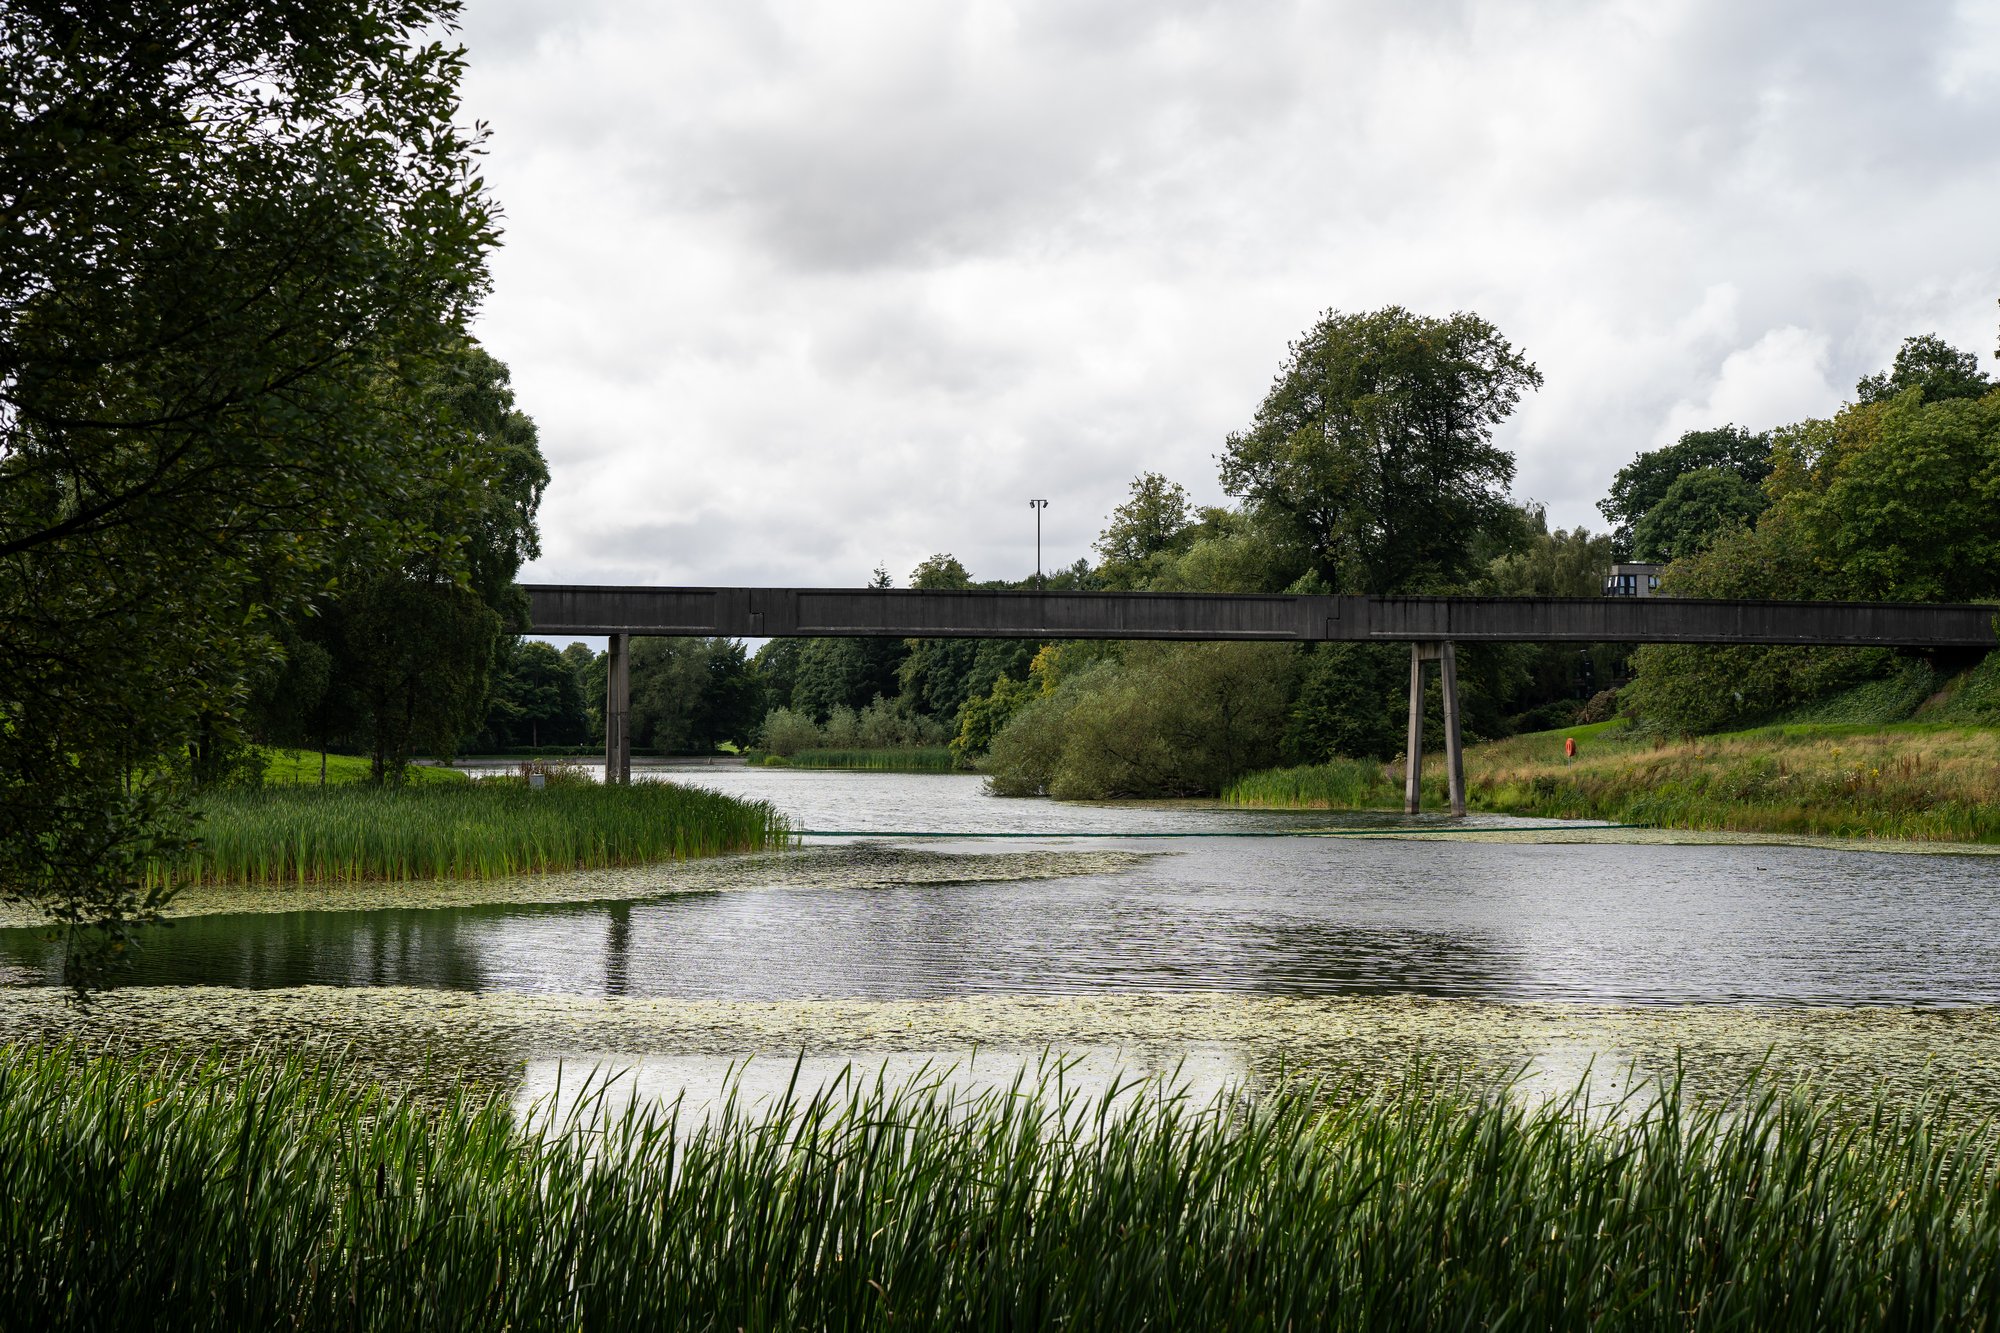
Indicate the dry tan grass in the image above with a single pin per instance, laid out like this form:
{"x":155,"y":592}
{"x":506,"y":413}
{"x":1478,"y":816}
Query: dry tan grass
{"x":1909,"y":782}
{"x":1936,"y":783}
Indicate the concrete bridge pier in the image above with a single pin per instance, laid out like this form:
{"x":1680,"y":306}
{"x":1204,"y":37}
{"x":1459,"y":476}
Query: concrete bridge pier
{"x":618,"y":711}
{"x":1446,"y":656}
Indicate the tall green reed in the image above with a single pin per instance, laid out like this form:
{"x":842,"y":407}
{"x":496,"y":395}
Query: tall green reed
{"x":1338,"y":784}
{"x":906,"y":759}
{"x":478,"y":830}
{"x":280,"y":1195}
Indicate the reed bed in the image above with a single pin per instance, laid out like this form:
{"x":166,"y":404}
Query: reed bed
{"x":1342,"y":784}
{"x":280,"y":1195}
{"x":910,"y":759}
{"x":473,"y":830}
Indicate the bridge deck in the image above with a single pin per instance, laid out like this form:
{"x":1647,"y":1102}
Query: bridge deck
{"x":906,"y":613}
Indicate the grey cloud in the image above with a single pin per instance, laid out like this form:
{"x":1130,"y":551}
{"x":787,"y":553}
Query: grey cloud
{"x":791,"y":290}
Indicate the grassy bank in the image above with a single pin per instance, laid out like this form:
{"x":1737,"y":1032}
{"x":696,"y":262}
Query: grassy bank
{"x":276,"y":1196}
{"x":295,"y":768}
{"x":915,"y":759}
{"x":482,"y":830}
{"x":1912,"y":780}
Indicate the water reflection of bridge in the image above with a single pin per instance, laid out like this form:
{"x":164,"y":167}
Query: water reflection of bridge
{"x":1431,"y":625}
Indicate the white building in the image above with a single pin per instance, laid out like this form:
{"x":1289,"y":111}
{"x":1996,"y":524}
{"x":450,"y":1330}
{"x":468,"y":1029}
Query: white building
{"x":1632,"y":581}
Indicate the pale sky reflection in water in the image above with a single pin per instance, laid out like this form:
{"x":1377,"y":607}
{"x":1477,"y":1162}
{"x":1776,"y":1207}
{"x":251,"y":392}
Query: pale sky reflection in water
{"x":582,"y":1088}
{"x":1281,"y":915}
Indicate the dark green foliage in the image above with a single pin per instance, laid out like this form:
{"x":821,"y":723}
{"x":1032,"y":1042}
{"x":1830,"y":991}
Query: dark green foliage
{"x":690,"y":695}
{"x":1374,"y":450}
{"x":1890,"y":697}
{"x":1233,"y":551}
{"x":276,"y":1196}
{"x":777,"y":666}
{"x":536,"y":700}
{"x":241,"y":246}
{"x":419,"y":653}
{"x":1645,"y":481}
{"x":494,"y":517}
{"x":844,"y":673}
{"x":290,"y":703}
{"x":1352,"y":702}
{"x":1974,"y":697}
{"x":1690,"y":689}
{"x":1522,"y":678}
{"x":418,"y":644}
{"x":1930,"y":365}
{"x":902,"y":759}
{"x":1562,"y":563}
{"x":941,"y":572}
{"x":586,"y":668}
{"x":941,"y":676}
{"x":937,"y":676}
{"x":1698,"y":508}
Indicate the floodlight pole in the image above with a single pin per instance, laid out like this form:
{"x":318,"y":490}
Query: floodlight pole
{"x":1038,"y":506}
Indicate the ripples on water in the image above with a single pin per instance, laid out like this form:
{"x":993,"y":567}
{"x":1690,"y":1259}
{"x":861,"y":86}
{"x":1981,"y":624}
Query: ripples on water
{"x":1285,"y":915}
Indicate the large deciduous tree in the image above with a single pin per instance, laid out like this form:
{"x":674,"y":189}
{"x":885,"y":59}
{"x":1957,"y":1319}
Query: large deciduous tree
{"x":1157,"y":520}
{"x":1930,"y":365}
{"x":1374,"y":448}
{"x":1698,"y":508}
{"x":462,"y":601}
{"x":240,"y":241}
{"x":1642,"y":484}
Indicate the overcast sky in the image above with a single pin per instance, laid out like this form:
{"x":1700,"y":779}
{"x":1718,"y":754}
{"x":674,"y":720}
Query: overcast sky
{"x":793,"y":290}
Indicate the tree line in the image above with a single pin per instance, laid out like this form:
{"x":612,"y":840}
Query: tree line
{"x":1370,"y":467}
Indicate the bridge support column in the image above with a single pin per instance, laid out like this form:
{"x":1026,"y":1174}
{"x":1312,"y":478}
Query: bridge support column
{"x":1445,"y":654}
{"x":617,"y":711}
{"x":1413,"y":746}
{"x":1454,"y":750}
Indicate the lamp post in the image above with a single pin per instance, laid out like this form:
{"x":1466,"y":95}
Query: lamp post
{"x":1038,"y":506}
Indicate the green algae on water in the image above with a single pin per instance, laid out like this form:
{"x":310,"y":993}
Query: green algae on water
{"x":404,"y":1035}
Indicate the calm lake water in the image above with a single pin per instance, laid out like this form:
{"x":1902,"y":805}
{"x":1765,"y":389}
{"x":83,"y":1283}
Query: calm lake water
{"x":1286,"y":915}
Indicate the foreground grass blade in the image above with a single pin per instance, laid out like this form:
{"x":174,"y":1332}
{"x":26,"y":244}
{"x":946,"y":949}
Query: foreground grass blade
{"x":281,"y":1195}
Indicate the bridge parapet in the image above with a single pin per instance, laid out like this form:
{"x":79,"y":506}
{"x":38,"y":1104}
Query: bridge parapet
{"x":1432,"y":625}
{"x":915,"y":614}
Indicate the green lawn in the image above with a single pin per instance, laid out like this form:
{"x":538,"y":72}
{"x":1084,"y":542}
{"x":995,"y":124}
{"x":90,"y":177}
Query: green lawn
{"x":302,"y":766}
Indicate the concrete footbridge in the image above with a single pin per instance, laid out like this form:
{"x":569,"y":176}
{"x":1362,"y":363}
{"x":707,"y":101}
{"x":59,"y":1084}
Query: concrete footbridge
{"x":1433,"y":626}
